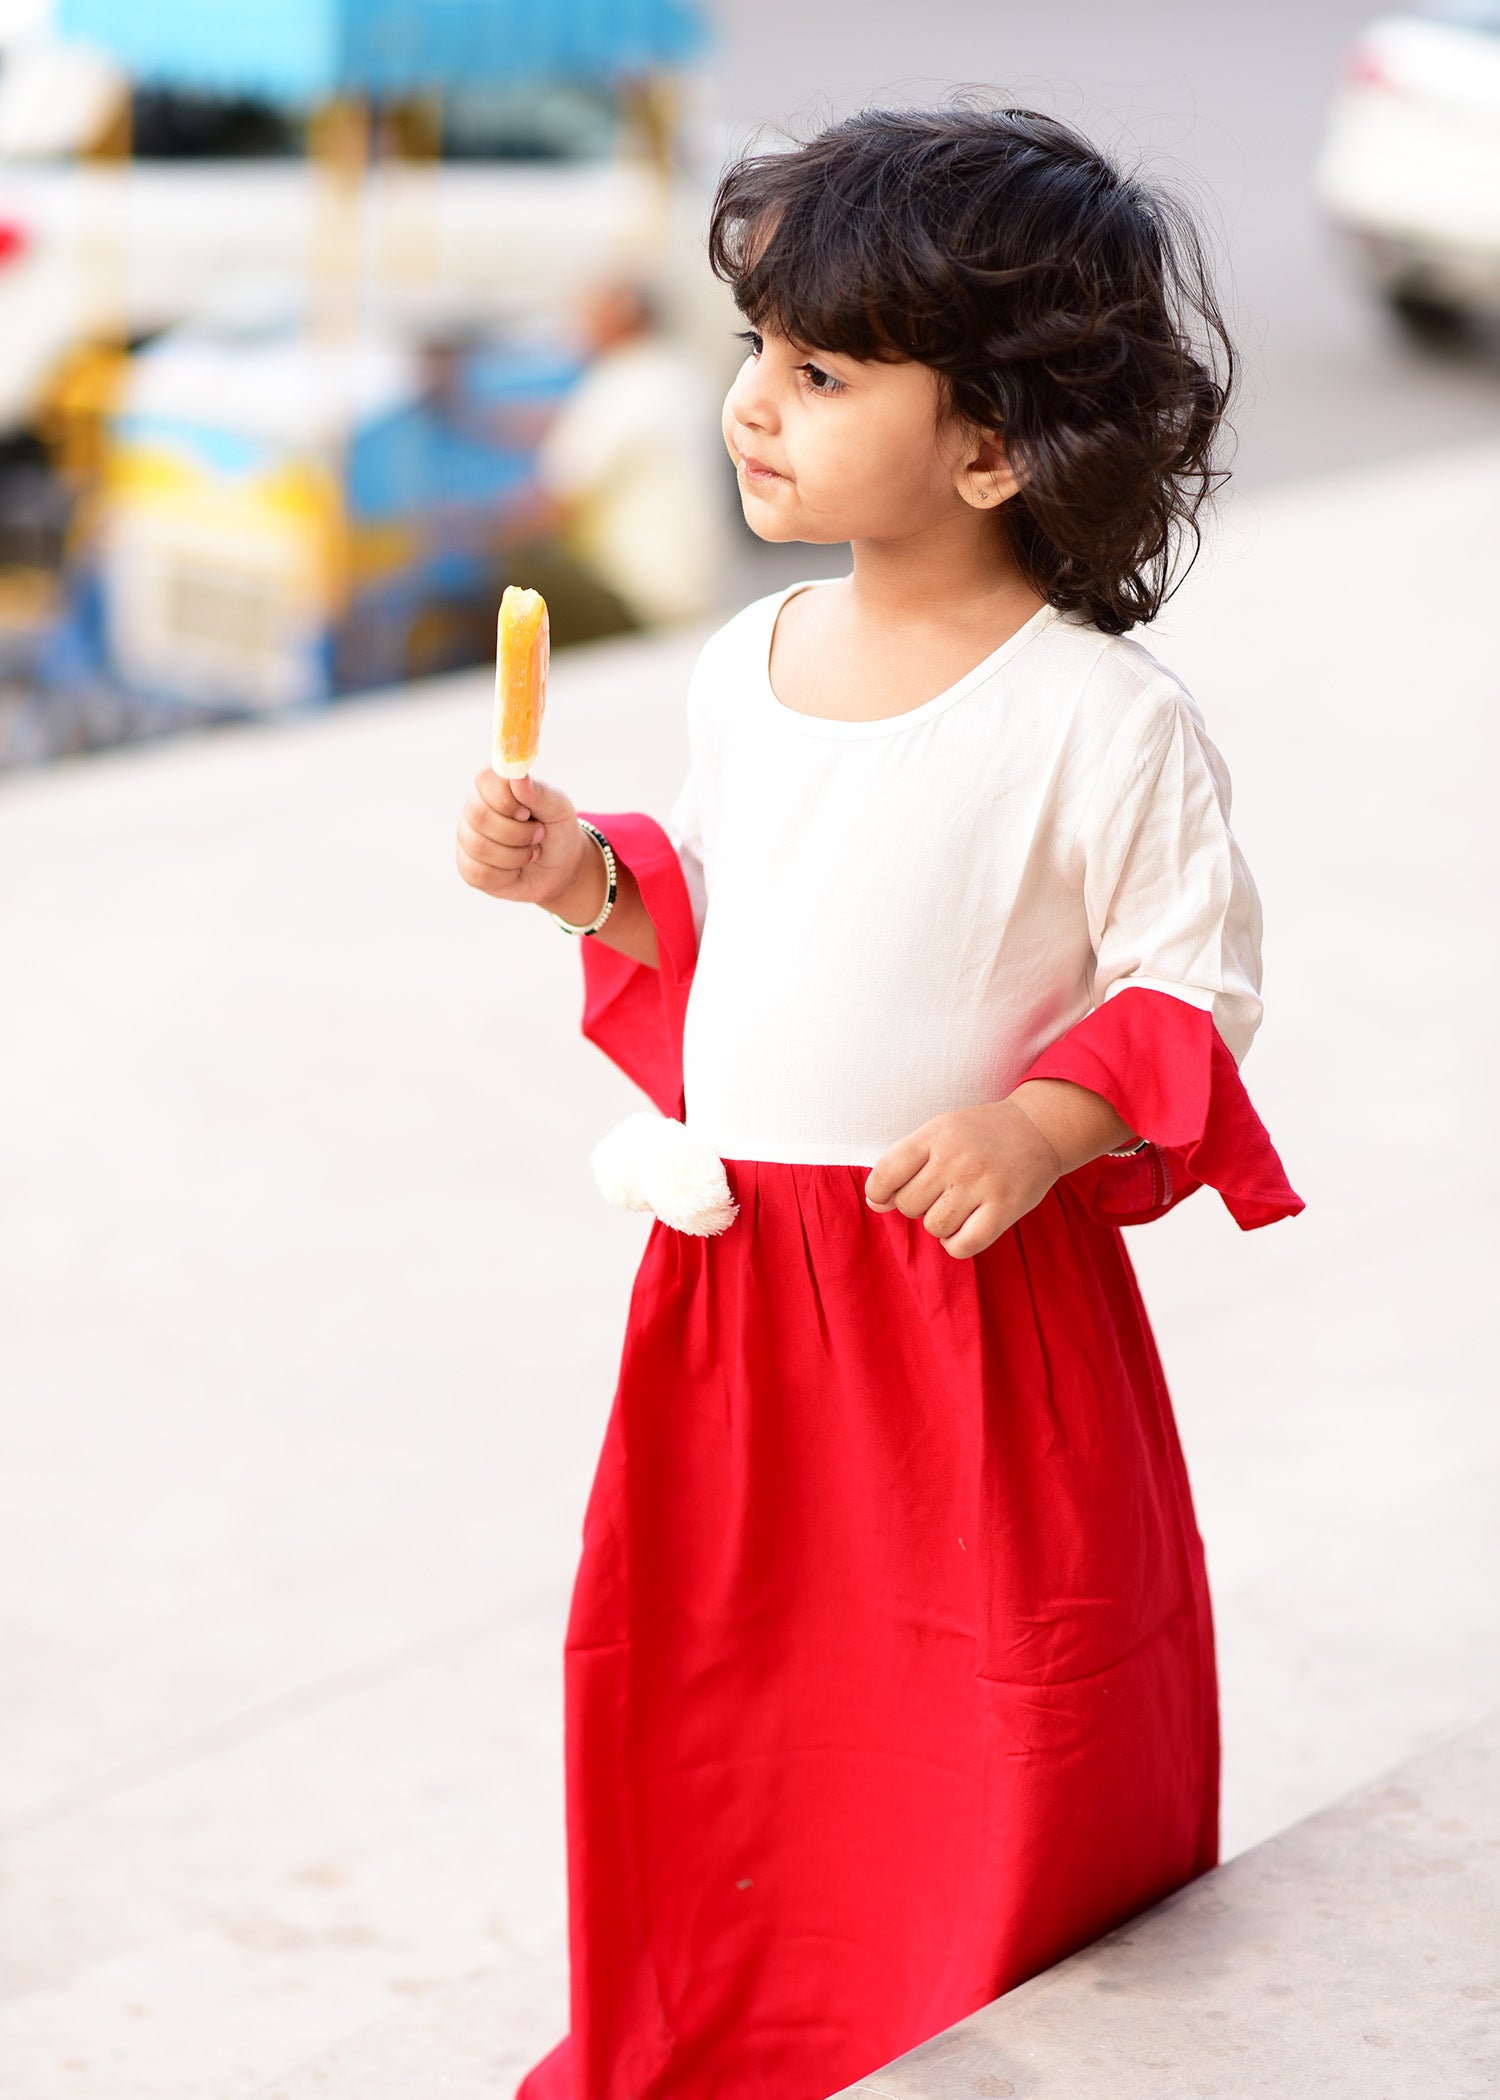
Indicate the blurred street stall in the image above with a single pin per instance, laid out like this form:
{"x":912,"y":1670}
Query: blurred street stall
{"x":633,"y":465}
{"x":285,"y":516}
{"x":298,"y":294}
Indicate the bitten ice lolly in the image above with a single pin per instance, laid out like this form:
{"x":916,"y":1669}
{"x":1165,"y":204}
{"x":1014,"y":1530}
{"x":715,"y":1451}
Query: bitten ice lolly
{"x":522,"y":652}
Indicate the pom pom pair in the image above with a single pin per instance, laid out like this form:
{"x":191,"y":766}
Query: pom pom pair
{"x":648,"y":1162}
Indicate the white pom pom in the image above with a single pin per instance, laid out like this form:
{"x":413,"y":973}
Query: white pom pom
{"x":689,"y":1189}
{"x":619,"y":1161}
{"x":648,"y":1162}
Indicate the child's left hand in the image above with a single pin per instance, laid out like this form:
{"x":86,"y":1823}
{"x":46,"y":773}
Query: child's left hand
{"x":967,"y":1175}
{"x":970,"y":1174}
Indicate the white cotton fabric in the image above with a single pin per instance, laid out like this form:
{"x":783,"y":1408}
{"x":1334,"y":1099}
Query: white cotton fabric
{"x":897,"y":917}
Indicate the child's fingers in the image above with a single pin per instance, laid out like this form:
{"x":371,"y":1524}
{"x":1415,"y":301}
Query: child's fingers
{"x":918,"y":1195}
{"x":499,"y":794}
{"x":494,"y":882}
{"x":893,"y":1170}
{"x":501,"y":831}
{"x":549,"y":805}
{"x":979,"y":1230}
{"x":491,"y":853}
{"x":522,"y":798}
{"x":948,"y":1209}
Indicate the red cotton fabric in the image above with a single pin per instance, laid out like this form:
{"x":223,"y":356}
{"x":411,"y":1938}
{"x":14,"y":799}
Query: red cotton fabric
{"x":889,"y":1671}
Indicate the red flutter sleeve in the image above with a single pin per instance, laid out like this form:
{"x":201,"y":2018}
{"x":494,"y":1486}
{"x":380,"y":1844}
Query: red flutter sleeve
{"x":632,"y":1012}
{"x":1164,"y":1067}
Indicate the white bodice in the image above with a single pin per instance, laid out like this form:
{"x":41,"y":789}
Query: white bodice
{"x":897,"y":916}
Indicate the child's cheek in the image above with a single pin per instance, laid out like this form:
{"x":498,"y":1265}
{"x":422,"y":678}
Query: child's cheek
{"x":868,"y":492}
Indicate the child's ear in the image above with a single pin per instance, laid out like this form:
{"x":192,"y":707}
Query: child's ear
{"x":985,"y":477}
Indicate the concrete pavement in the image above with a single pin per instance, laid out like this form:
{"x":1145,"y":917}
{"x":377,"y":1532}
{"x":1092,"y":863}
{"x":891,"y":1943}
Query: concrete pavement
{"x":311,"y":1312}
{"x":1351,"y":1956}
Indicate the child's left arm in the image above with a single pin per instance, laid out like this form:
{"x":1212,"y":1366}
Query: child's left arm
{"x":1174,"y":921}
{"x":970,"y":1174}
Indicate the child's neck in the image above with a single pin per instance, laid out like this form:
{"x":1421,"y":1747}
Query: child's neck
{"x":957,"y":570}
{"x":909,"y":621}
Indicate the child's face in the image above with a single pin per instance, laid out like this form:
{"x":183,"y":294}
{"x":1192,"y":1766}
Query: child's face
{"x":830,"y":448}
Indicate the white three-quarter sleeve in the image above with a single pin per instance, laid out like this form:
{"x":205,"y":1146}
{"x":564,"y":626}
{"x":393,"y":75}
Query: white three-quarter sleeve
{"x":685,"y":830}
{"x":1170,"y":902}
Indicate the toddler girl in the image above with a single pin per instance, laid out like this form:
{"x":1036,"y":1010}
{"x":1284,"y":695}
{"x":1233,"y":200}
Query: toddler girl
{"x":890,"y":1673}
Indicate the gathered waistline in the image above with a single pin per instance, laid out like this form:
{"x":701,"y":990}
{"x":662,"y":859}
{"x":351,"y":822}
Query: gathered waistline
{"x":844,"y":1166}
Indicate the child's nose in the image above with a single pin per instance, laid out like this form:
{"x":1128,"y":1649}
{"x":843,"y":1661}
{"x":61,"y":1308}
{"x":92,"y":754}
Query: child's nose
{"x":750,"y":402}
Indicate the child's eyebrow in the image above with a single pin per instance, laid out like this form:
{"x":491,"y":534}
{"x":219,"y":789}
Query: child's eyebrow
{"x":800,"y":346}
{"x":769,"y":326}
{"x":813,"y":350}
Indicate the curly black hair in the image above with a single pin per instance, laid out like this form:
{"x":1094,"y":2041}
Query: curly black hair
{"x":1068,"y":307}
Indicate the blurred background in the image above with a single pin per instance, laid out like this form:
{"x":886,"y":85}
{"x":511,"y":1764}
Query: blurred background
{"x":318,"y":324}
{"x":320,"y":320}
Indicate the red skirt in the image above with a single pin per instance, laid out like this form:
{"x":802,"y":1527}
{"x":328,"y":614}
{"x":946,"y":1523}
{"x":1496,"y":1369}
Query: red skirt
{"x":889,"y":1672}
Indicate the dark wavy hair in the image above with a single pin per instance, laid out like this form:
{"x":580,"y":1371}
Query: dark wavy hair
{"x":1068,"y":308}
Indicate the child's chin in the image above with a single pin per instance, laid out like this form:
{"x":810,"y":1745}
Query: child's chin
{"x":770,"y":529}
{"x":782,"y":530}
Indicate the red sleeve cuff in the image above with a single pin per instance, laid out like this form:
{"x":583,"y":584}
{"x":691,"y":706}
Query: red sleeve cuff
{"x":1164,"y":1067}
{"x":632,"y":1012}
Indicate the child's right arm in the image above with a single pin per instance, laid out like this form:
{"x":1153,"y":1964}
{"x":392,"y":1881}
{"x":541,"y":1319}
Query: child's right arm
{"x":520,"y":840}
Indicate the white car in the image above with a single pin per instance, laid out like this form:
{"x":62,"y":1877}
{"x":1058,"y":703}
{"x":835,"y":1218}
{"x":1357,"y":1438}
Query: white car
{"x":1410,"y":169}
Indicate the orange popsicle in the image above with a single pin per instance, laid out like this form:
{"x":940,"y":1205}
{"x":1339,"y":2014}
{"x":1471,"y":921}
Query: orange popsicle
{"x":522,"y":652}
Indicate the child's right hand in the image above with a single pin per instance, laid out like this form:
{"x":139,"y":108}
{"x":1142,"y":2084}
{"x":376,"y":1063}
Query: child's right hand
{"x":519,"y":839}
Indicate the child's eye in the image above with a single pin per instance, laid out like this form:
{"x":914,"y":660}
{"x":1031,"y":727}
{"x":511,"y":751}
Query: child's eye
{"x":820,"y":381}
{"x":751,"y":336}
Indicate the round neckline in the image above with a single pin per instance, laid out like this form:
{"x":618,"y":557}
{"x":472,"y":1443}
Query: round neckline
{"x":885,"y":725}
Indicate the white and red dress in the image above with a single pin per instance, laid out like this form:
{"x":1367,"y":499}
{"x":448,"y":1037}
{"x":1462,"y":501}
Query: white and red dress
{"x":890,"y":1672}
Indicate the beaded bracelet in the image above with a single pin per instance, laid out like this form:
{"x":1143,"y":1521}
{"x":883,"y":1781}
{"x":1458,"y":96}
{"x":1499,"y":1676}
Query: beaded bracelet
{"x":611,"y":887}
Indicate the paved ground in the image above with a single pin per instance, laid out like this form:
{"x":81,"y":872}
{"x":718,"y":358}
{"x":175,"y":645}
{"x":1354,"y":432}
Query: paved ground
{"x":310,"y":1311}
{"x":1366,"y":1933}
